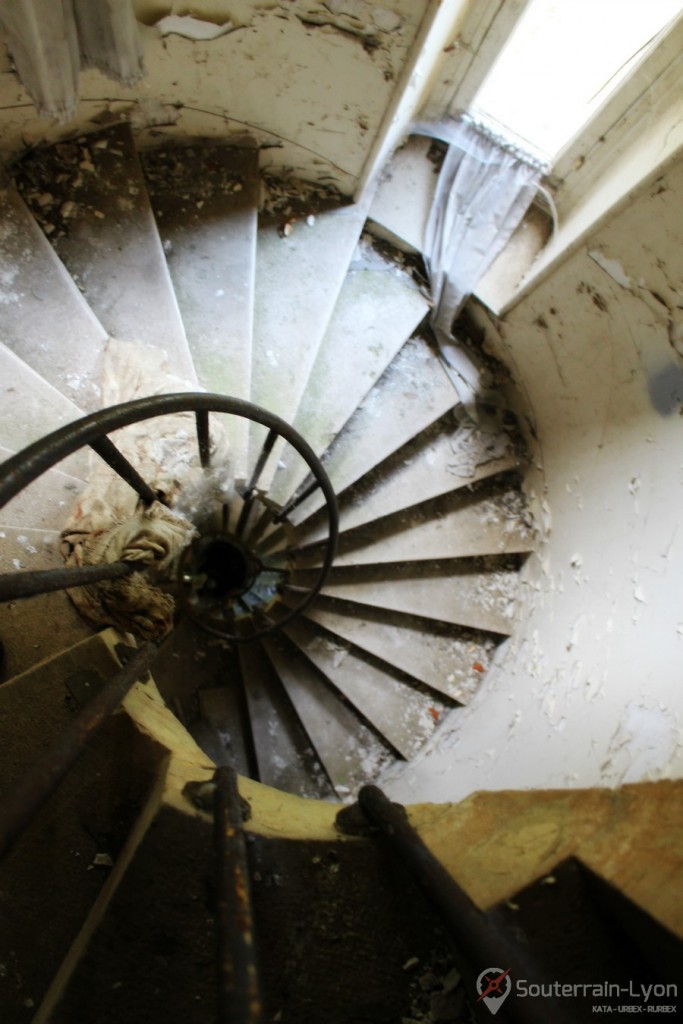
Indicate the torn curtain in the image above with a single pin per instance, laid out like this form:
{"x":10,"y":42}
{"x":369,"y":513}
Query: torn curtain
{"x":485,"y":186}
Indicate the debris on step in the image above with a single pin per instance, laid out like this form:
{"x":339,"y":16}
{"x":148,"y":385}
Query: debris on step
{"x":289,"y":199}
{"x":448,"y":455}
{"x":193,"y":172}
{"x":392,"y":704}
{"x":411,"y":394}
{"x":376,"y":254}
{"x":104,"y":233}
{"x":53,"y":184}
{"x":349,"y":750}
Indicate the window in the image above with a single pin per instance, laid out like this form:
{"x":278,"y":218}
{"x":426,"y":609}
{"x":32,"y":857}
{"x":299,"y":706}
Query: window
{"x":563,"y":60}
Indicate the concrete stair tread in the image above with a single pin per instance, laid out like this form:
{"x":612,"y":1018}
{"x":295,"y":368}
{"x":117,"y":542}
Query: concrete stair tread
{"x":284,"y":756}
{"x":59,"y":624}
{"x":413,"y":393}
{"x":205,"y":198}
{"x":32,"y":408}
{"x":479,"y":598}
{"x":298,"y":281}
{"x":224,"y":724}
{"x":452,"y":665}
{"x":45,"y":504}
{"x":459,"y":525}
{"x":349,"y":751}
{"x":376,"y":312}
{"x":108,"y":240}
{"x":410,"y":173}
{"x":46,"y":321}
{"x":442,"y":459}
{"x":402,"y":714}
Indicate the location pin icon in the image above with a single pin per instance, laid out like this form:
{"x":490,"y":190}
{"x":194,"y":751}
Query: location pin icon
{"x":494,"y":986}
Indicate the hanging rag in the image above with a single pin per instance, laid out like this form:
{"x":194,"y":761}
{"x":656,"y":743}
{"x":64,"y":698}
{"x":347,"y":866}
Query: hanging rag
{"x":485,"y":186}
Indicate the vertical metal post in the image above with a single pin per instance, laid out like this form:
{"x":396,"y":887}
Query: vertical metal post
{"x":248,"y":495}
{"x":108,"y":451}
{"x":479,"y":943}
{"x":239,"y":993}
{"x":298,"y":499}
{"x":203,"y":437}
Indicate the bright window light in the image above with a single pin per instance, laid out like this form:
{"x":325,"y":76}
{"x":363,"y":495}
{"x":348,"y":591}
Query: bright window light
{"x":562,"y":62}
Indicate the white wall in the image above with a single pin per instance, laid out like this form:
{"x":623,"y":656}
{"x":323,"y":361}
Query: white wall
{"x":590,"y":692}
{"x":315,"y":93}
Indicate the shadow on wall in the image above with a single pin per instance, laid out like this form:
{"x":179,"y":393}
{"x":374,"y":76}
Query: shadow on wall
{"x":666,"y":389}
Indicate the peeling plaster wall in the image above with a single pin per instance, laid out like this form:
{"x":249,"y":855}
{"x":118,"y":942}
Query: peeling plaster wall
{"x":590,"y":690}
{"x":309,"y":81}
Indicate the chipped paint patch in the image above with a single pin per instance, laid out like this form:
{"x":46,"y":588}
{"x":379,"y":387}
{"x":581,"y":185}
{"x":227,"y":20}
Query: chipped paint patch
{"x":611,"y":267}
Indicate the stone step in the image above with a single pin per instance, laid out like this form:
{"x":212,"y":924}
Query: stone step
{"x":350,"y":752}
{"x":449,"y":661}
{"x":398,"y":711}
{"x":46,"y":321}
{"x":44,"y":504}
{"x":298,"y":280}
{"x":284,"y":755}
{"x":462,"y":524}
{"x":205,"y":199}
{"x":447,"y":456}
{"x":378,"y":309}
{"x":106,"y":235}
{"x":32,"y":408}
{"x":413,"y":393}
{"x":412,"y":173}
{"x":462,"y":593}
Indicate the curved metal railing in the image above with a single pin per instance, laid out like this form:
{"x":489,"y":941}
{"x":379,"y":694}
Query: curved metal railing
{"x":237,"y":615}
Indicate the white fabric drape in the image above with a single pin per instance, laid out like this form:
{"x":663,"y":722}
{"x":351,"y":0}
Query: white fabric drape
{"x":51,"y":40}
{"x":485,"y":187}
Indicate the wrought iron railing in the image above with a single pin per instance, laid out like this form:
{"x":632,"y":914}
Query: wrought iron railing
{"x":241,"y":583}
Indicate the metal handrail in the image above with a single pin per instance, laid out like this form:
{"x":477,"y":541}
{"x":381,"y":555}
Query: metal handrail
{"x":26,"y":466}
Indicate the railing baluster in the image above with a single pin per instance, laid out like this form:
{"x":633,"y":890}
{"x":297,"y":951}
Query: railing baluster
{"x":239,"y":993}
{"x":108,"y":451}
{"x":297,"y":500}
{"x":267,"y":448}
{"x":248,"y":495}
{"x":52,"y":764}
{"x":15,"y":585}
{"x":203,"y":437}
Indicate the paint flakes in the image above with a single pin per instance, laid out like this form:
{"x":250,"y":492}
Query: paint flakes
{"x":195,"y":29}
{"x":611,"y":267}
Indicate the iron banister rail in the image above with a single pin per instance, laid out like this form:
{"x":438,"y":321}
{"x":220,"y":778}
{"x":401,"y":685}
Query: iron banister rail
{"x":26,"y":466}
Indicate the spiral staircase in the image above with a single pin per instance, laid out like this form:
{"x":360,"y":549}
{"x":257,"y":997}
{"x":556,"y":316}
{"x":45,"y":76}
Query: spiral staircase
{"x":298,"y":311}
